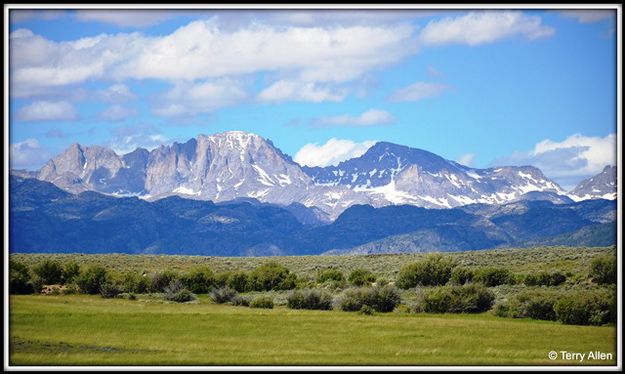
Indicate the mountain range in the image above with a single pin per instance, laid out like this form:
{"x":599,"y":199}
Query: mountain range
{"x":235,"y":164}
{"x":236,"y":194}
{"x":44,"y":218}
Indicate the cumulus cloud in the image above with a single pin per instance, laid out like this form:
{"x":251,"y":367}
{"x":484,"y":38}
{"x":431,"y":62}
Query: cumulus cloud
{"x":116,"y":93}
{"x":418,"y":91}
{"x":28,"y":154}
{"x":117,"y":113}
{"x":372,"y":117}
{"x":589,"y":15}
{"x":477,"y":28}
{"x":569,"y":161}
{"x":201,"y":50}
{"x":186,"y":98}
{"x":283,"y":90}
{"x":331,"y":153}
{"x":47,"y":111}
{"x":466,"y":159}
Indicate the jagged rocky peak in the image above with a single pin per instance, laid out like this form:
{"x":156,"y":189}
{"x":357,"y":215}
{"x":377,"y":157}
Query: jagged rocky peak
{"x":600,"y":186}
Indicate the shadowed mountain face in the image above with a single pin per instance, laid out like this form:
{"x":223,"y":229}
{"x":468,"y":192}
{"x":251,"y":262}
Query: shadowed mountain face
{"x":235,"y":164}
{"x":44,"y":218}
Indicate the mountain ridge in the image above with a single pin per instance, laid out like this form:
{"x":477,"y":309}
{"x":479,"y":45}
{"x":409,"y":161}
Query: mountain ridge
{"x":237,"y":164}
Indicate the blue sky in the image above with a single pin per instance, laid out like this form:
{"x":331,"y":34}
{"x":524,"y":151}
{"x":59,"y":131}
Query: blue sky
{"x":484,"y":88}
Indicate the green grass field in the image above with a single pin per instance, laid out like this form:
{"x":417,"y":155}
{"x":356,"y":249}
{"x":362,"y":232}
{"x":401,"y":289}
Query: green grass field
{"x":90,"y":330}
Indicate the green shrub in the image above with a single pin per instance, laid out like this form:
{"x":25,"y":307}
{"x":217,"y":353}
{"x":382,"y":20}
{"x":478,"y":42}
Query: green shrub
{"x":381,"y":299}
{"x":19,"y":279}
{"x":49,"y":272}
{"x":221,"y":279}
{"x":71,"y":270}
{"x":434,"y":270}
{"x":545,"y":278}
{"x":265,"y":302}
{"x":309,"y":299}
{"x":491,"y":276}
{"x":361,"y":277}
{"x":586,"y":308}
{"x":161,"y":280}
{"x":271,"y":276}
{"x":366,"y":310}
{"x":135,"y":283}
{"x":461,"y":275}
{"x":132,"y":296}
{"x":199,"y":280}
{"x":603,"y":269}
{"x":536,"y":304}
{"x":330,"y":275}
{"x":237,"y":280}
{"x":90,"y":280}
{"x":470,"y":298}
{"x":110,"y":289}
{"x":177,"y":292}
{"x":223,"y":295}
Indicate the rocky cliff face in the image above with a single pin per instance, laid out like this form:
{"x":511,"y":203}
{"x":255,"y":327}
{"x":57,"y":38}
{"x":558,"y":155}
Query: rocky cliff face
{"x":235,"y":164}
{"x":601,"y":186}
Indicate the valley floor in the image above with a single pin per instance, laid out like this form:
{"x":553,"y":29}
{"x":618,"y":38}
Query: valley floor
{"x":90,"y":330}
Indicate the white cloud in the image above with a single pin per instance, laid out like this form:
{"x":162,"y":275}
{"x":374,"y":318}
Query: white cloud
{"x":47,"y":111}
{"x":205,"y":97}
{"x":466,"y":159}
{"x":116,"y":93}
{"x":28,"y":155}
{"x":117,"y":113}
{"x":38,"y":65}
{"x":372,"y":117}
{"x":569,"y":161}
{"x":477,"y":28}
{"x":126,"y":17}
{"x":589,"y":15}
{"x":201,"y":50}
{"x":300,"y":91}
{"x":331,"y":153}
{"x":418,"y":91}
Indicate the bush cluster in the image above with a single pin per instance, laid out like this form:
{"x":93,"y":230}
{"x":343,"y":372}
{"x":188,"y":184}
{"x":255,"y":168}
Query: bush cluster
{"x":361,"y":277}
{"x":19,"y":279}
{"x":330,"y":275}
{"x":309,"y":299}
{"x":545,"y":278}
{"x":265,"y":302}
{"x":461,"y":275}
{"x":472,"y":298}
{"x":176,"y":291}
{"x":271,"y":276}
{"x":223,"y":295}
{"x":537,"y":304}
{"x":491,"y":276}
{"x":434,"y":270}
{"x":199,"y":280}
{"x":603,"y":269}
{"x":91,"y":280}
{"x":381,"y":299}
{"x":586,"y":308}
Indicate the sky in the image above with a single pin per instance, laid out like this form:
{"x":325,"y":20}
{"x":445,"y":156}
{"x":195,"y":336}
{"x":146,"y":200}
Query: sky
{"x":482,"y":87}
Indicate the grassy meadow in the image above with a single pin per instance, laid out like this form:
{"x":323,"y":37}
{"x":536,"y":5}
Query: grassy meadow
{"x":146,"y":329}
{"x":90,"y":330}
